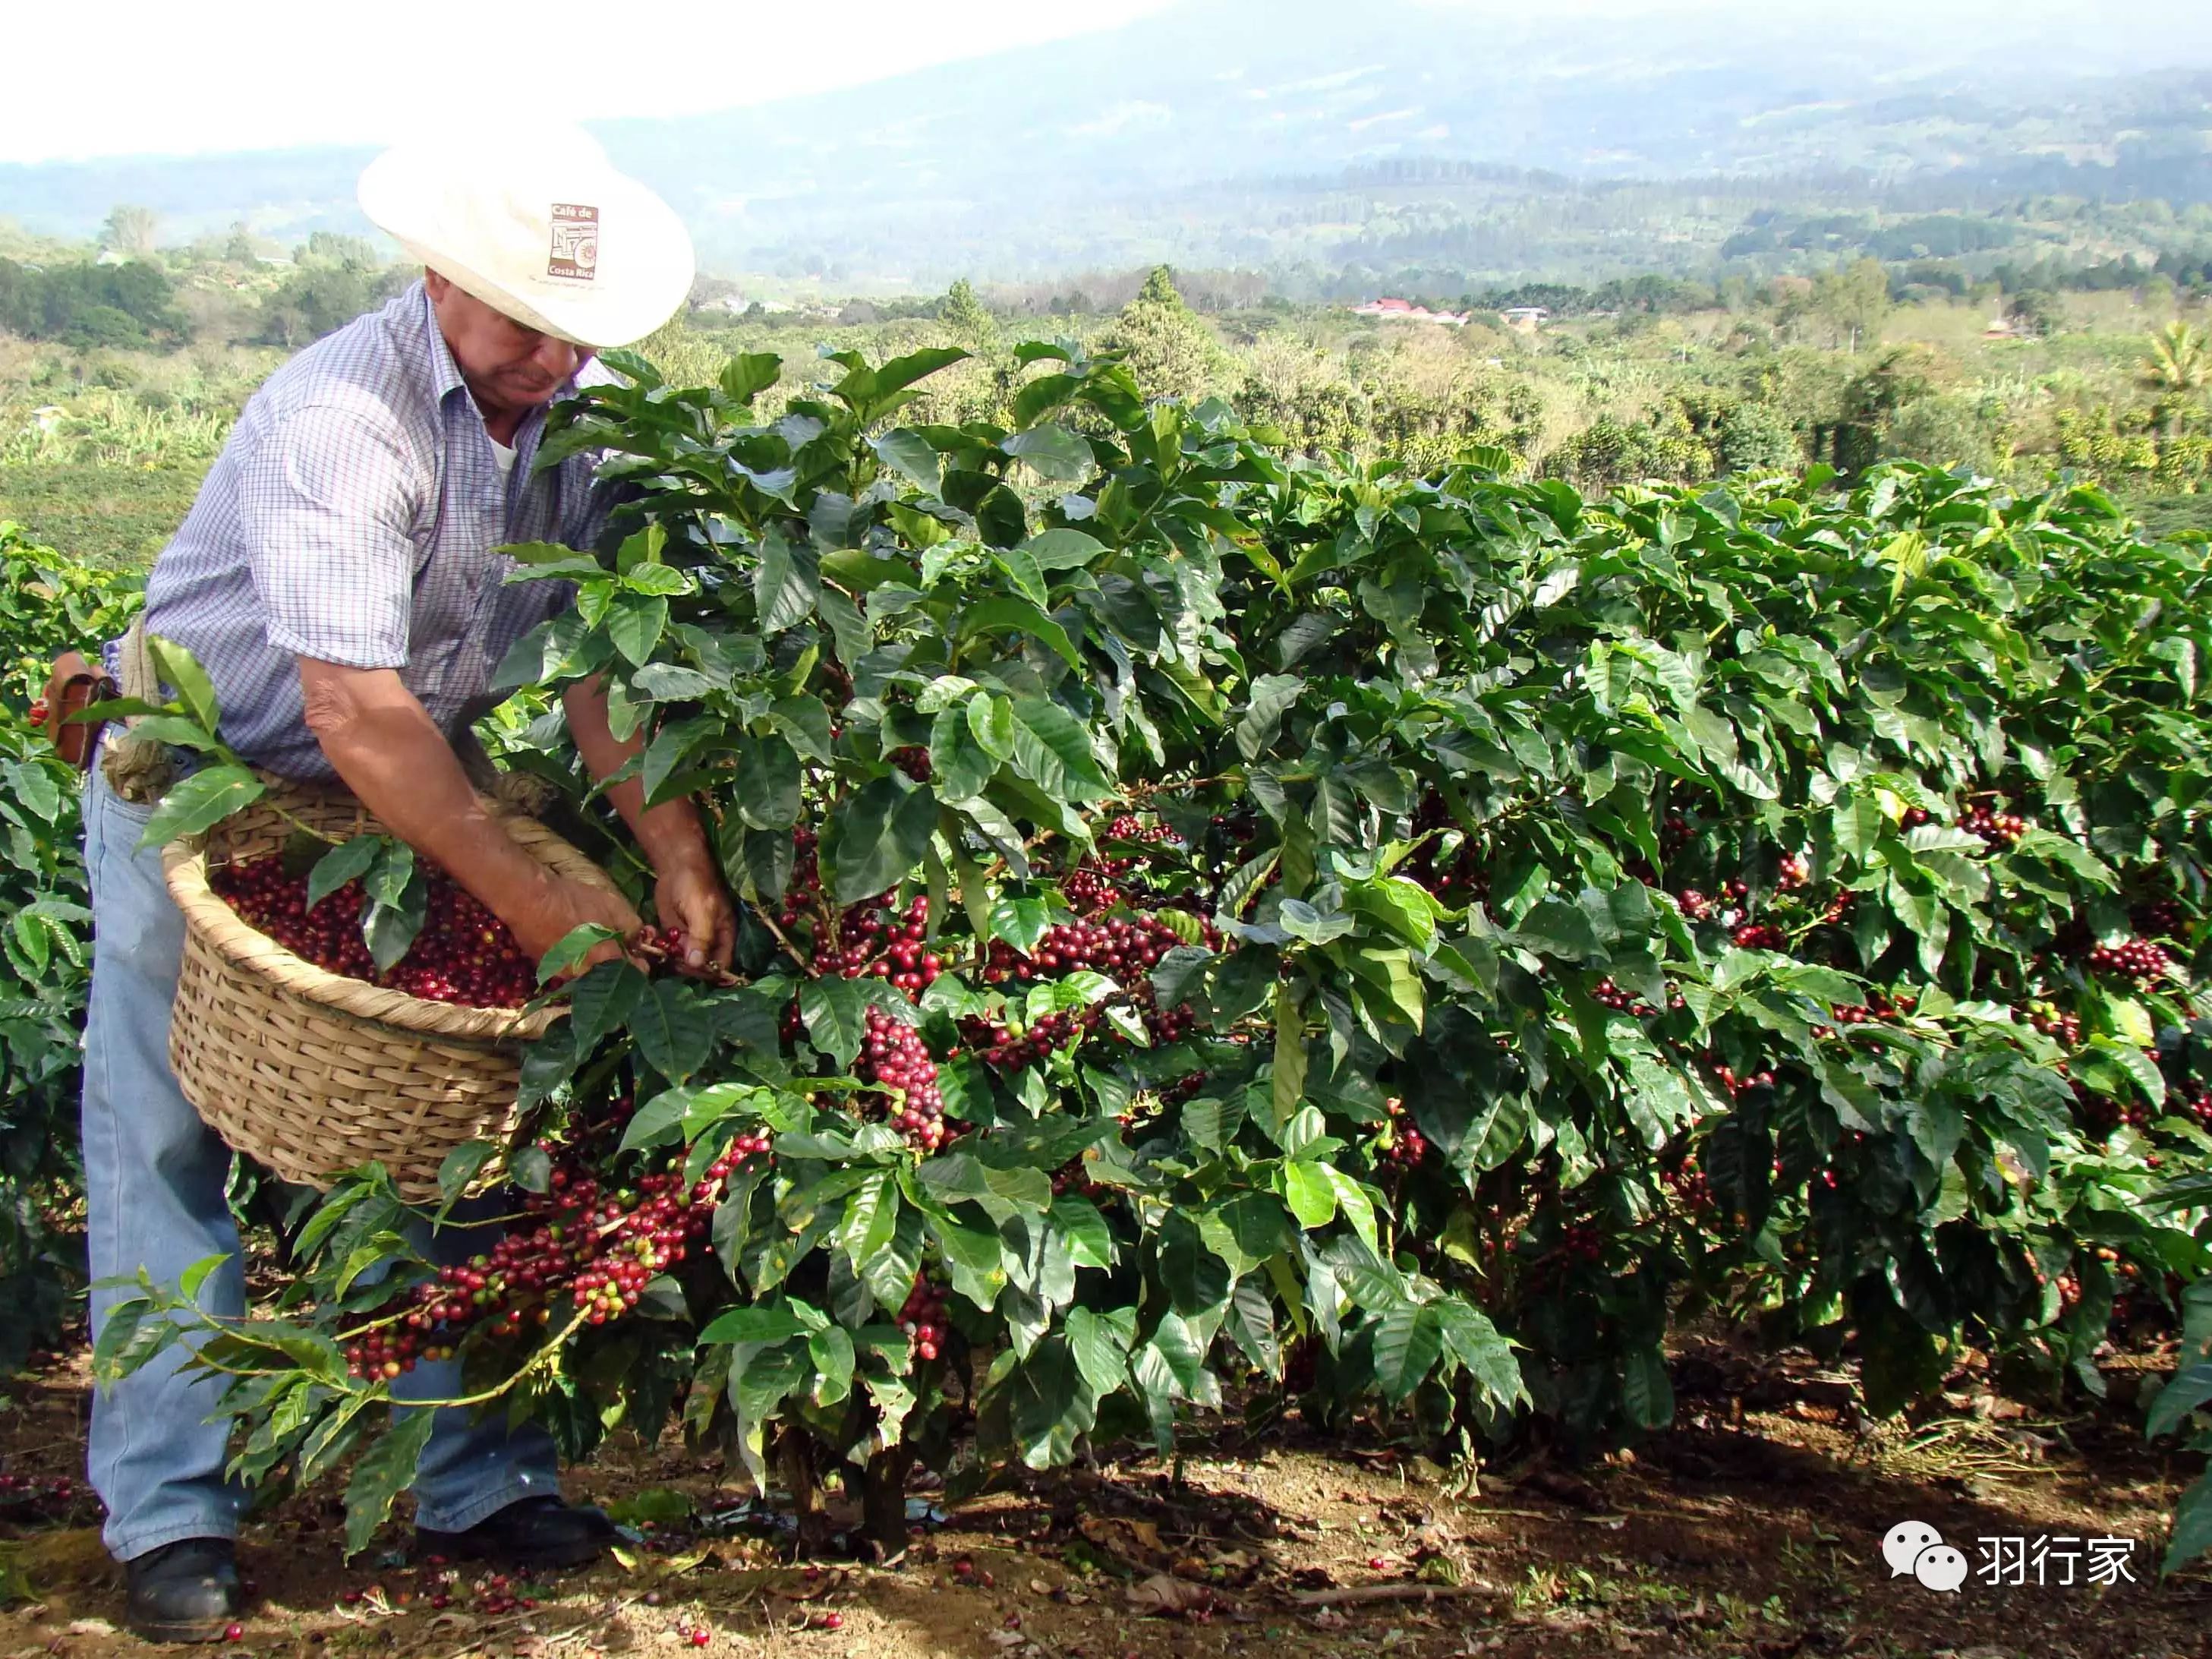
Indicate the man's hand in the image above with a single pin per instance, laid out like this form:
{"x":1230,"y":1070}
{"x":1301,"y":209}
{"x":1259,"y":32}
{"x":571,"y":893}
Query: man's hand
{"x":690,"y":896}
{"x":562,"y":907}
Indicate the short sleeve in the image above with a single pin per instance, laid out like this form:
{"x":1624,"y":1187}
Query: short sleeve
{"x":328,"y":496}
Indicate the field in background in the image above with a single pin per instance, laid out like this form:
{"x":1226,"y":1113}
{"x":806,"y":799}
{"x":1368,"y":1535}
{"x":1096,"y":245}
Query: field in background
{"x":102,"y":450}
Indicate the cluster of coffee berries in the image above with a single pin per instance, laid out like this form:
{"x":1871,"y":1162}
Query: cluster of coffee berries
{"x":1915,"y":817}
{"x":2138,"y":959}
{"x":1673,"y":833}
{"x":2104,"y":1114}
{"x":1689,"y":1185}
{"x":1074,"y":1176}
{"x":36,"y":712}
{"x":893,"y":945}
{"x":1606,"y":994}
{"x":1998,"y":829}
{"x":597,"y":1248}
{"x":1797,"y":871}
{"x":2158,"y":919}
{"x":895,"y":1059}
{"x":22,"y":1491}
{"x":914,"y":762}
{"x":464,"y":954}
{"x":1760,"y":936}
{"x":1404,"y":1144}
{"x":2046,"y":1017}
{"x":1013,"y":1046}
{"x":1736,"y":1085}
{"x":922,"y":1318}
{"x":804,"y":885}
{"x":387,"y":1352}
{"x":1119,"y":946}
{"x":1582,"y":1241}
{"x":1695,"y":905}
{"x":1839,"y":910}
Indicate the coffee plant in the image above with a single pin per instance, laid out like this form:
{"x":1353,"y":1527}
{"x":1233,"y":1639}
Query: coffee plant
{"x":47,"y":605}
{"x":1226,"y":927}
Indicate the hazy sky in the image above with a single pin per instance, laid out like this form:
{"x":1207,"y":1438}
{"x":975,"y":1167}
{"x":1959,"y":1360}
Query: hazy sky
{"x":162,"y":76}
{"x":190,"y":76}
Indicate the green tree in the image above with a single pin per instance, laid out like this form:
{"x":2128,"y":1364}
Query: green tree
{"x":2175,"y":371}
{"x":963,"y":314}
{"x":129,"y":230}
{"x":1854,"y":300}
{"x":1168,"y":347}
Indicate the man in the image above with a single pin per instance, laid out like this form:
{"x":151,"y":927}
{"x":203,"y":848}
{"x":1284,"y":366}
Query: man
{"x":336,"y":578}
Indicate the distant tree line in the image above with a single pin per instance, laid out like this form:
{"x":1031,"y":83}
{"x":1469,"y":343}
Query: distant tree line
{"x":87,"y":305}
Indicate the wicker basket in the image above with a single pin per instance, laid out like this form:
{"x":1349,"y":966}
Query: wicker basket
{"x":314,"y":1073}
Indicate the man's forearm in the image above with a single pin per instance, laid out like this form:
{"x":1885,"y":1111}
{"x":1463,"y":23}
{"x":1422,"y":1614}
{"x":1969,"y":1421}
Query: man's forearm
{"x":672,"y":833}
{"x":392,"y":755}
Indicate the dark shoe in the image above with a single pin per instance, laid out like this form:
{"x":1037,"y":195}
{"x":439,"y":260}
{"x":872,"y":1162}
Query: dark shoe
{"x":187,"y":1591}
{"x":534,"y":1534}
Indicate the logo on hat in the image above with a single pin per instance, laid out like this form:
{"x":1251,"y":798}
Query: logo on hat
{"x":575,"y":250}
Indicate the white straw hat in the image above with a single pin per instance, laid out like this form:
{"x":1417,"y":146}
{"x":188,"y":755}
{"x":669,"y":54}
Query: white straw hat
{"x":539,"y":226}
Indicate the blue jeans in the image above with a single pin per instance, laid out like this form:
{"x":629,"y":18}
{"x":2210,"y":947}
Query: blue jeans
{"x":154,"y":1178}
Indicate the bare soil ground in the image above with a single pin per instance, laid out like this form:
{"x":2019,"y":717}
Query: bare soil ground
{"x":1753,"y":1530}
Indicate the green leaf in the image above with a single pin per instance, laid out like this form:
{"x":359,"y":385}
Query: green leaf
{"x":785,"y":583}
{"x":881,"y":833}
{"x":2190,"y":1389}
{"x":906,"y":453}
{"x":991,"y":721}
{"x":835,"y":1014}
{"x":633,"y":626}
{"x":1408,"y":1344}
{"x":1271,"y":697}
{"x":178,"y":667}
{"x":973,"y":1259}
{"x":194,"y":803}
{"x":1646,"y":1390}
{"x":1020,"y":919}
{"x":959,"y":765}
{"x":831,"y":1350}
{"x":1063,"y":550}
{"x":460,"y":1166}
{"x":1053,"y":452}
{"x":1289,"y":1077}
{"x":2193,"y":1526}
{"x":1100,"y":1343}
{"x":602,"y":999}
{"x":570,"y":951}
{"x":1050,"y":1404}
{"x":749,"y":373}
{"x":672,"y":1030}
{"x":381,"y":1474}
{"x":1197,"y":1280}
{"x":342,"y":863}
{"x":1311,"y":1196}
{"x":1007,"y":614}
{"x":660,"y":1119}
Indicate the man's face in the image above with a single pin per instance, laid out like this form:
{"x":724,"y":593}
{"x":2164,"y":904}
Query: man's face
{"x":508,"y":367}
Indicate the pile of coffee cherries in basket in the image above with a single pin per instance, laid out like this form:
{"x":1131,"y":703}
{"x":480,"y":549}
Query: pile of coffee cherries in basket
{"x":464,"y":954}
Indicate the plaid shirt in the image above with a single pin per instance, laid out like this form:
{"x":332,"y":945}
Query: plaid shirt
{"x":351,"y":518}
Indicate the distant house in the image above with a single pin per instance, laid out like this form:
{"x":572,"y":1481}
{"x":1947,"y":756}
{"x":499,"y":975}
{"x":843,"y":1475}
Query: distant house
{"x":1526,"y":318}
{"x":1404,"y":311}
{"x":2002,"y":328}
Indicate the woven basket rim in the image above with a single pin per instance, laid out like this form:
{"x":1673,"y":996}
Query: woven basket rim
{"x":184,"y":867}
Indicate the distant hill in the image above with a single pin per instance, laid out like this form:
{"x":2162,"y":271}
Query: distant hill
{"x":1226,"y":131}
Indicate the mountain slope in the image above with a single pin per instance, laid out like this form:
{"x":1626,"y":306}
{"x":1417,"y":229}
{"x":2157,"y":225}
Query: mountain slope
{"x":1134,"y":143}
